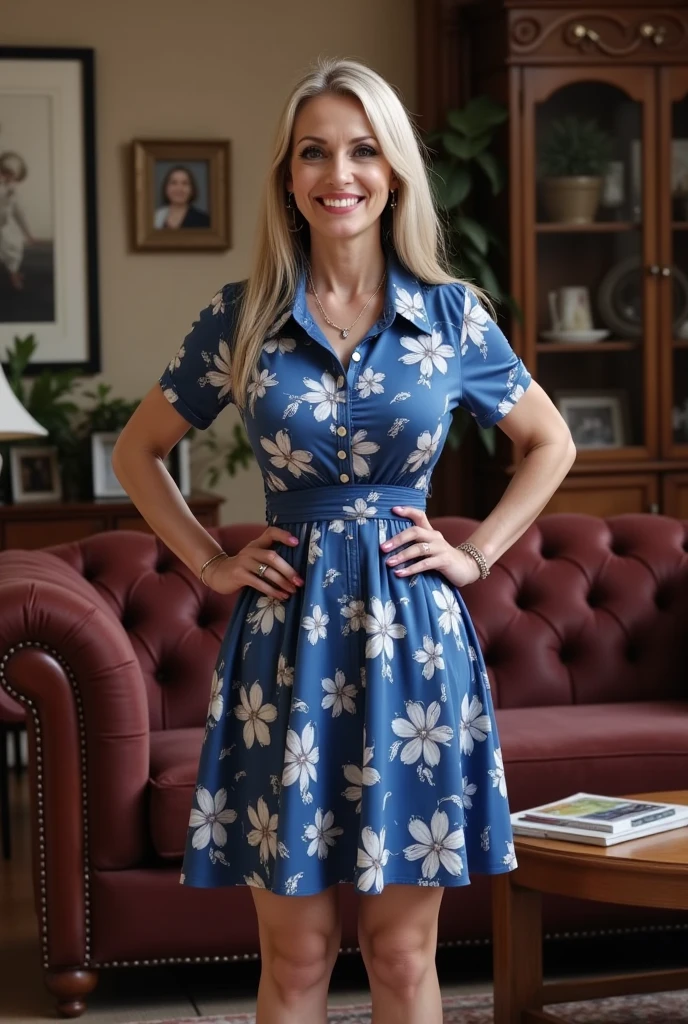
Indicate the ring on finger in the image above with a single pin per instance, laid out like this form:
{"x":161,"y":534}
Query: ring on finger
{"x":261,"y":570}
{"x":425,"y":546}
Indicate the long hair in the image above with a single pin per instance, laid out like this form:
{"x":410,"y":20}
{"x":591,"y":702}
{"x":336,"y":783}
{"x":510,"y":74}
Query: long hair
{"x":281,"y":253}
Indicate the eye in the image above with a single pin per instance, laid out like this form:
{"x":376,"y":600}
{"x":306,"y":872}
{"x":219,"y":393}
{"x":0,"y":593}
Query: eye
{"x":371,"y":151}
{"x":305,"y":153}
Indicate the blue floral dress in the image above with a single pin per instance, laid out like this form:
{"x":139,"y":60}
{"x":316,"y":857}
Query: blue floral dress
{"x":350,"y":733}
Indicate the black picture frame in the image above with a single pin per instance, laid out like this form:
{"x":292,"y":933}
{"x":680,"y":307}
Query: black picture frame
{"x":88,"y":359}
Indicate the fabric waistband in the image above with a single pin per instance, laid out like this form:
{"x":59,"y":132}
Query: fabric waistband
{"x":344,"y":501}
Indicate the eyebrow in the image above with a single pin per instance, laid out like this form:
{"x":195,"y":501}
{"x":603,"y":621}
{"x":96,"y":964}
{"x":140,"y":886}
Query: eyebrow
{"x":316,"y":138}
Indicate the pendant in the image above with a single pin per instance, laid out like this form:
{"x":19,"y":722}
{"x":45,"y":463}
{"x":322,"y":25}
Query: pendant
{"x":345,"y":334}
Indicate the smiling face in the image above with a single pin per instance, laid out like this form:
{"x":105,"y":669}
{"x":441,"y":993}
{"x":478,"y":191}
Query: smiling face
{"x":179,"y":188}
{"x":340,"y":179}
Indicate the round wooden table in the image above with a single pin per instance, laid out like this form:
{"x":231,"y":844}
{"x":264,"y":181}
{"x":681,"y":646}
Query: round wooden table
{"x":649,"y":872}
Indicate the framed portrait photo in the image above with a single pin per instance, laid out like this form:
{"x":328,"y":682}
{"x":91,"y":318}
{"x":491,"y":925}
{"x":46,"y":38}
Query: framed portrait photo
{"x":35,"y":474}
{"x":596,"y":418}
{"x":181,"y":195}
{"x":48,"y":232}
{"x":105,"y":483}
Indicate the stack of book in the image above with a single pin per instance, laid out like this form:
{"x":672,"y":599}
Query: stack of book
{"x":600,"y":820}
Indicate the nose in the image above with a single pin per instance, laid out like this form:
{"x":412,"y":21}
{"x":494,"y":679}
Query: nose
{"x":340,"y":170}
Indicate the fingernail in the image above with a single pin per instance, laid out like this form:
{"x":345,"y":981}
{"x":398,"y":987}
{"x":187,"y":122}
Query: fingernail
{"x":391,"y":561}
{"x":293,"y":540}
{"x":386,"y":546}
{"x":298,"y":580}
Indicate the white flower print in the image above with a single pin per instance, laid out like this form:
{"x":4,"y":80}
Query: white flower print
{"x":398,"y":425}
{"x":373,"y":858}
{"x":361,"y":511}
{"x":427,"y":446}
{"x":509,"y":858}
{"x":255,"y":714}
{"x":436,"y":845}
{"x":285,"y":674}
{"x":255,"y":880}
{"x":421,"y":483}
{"x":316,"y":624}
{"x":264,"y":831}
{"x":360,"y":777}
{"x":339,"y":695}
{"x":267,"y":610}
{"x":221,"y":377}
{"x":430,"y":657}
{"x":429,"y":351}
{"x":336,"y":526}
{"x":423,"y":733}
{"x":469,"y":790}
{"x":257,"y":386}
{"x":475,"y":323}
{"x":324,"y":395}
{"x":370,"y":383}
{"x":176,"y":361}
{"x":382,"y":629}
{"x":313,"y":550}
{"x":210,"y":819}
{"x":171,"y":395}
{"x":410,"y":305}
{"x":359,"y":448}
{"x":274,"y":483}
{"x":497,"y":773}
{"x":281,"y":345}
{"x":450,"y":619}
{"x":401,"y":397}
{"x":300,"y":758}
{"x":322,"y":834}
{"x":216,"y":699}
{"x":297,"y":462}
{"x":474,"y":724}
{"x":217,"y":303}
{"x":354,"y":613}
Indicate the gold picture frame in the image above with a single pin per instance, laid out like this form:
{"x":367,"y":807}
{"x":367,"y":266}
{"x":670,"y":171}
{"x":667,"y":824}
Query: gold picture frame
{"x":181,"y":194}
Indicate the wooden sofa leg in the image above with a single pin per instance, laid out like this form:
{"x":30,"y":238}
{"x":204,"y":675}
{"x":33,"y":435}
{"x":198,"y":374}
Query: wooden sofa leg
{"x":71,"y":988}
{"x":4,"y":795}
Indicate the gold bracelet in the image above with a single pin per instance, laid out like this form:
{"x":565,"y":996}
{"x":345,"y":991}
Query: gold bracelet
{"x":220,"y":554}
{"x":477,"y":554}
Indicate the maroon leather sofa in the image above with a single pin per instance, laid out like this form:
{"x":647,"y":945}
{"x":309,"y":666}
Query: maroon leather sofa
{"x":110,"y":644}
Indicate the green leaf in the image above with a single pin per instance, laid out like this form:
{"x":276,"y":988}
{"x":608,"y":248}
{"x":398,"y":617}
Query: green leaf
{"x":452,"y":187}
{"x":486,"y":112}
{"x":457,"y":146}
{"x":493,"y":170}
{"x":475,"y":232}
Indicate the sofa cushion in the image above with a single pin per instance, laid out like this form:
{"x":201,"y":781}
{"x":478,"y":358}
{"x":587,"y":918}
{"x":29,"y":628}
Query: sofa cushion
{"x":634,"y":747}
{"x":174,"y":760}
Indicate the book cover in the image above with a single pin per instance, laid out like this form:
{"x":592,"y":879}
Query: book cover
{"x":592,"y":812}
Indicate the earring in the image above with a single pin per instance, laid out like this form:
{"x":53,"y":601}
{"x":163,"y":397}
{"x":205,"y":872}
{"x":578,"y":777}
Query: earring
{"x":393,"y":199}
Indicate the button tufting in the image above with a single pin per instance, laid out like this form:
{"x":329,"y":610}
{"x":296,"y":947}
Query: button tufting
{"x":162,"y":567}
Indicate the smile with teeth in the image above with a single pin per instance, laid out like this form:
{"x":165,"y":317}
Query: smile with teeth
{"x":341,"y":202}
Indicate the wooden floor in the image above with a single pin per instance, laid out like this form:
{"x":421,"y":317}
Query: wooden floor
{"x":128,"y":994}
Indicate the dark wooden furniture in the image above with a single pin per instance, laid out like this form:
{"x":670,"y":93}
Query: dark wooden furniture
{"x":40,"y":525}
{"x":649,"y":872}
{"x":623,"y":64}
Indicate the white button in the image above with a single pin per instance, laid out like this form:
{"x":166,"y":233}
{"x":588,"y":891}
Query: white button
{"x":356,"y":356}
{"x":344,"y":478}
{"x":341,"y":455}
{"x":341,"y":431}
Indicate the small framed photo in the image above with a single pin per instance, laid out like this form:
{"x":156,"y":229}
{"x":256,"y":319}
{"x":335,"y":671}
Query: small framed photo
{"x":181,"y":194}
{"x":596,"y":418}
{"x":105,"y":483}
{"x":35,"y":474}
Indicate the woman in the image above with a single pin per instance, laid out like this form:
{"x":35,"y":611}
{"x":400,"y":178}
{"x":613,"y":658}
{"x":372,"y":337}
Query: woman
{"x":14,"y":228}
{"x":178,"y":194}
{"x":350,"y":735}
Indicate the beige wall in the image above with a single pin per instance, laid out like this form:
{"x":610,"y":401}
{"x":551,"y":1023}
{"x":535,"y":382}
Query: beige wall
{"x":205,"y":69}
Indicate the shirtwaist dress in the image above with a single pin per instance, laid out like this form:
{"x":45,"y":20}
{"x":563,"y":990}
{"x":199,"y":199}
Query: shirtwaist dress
{"x":350,"y":733}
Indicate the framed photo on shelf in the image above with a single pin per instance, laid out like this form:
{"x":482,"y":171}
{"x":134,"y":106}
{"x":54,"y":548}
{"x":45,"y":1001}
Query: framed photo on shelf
{"x":181,"y":194}
{"x":105,"y":483}
{"x":35,"y":474}
{"x":49,"y":244}
{"x":597,"y":418}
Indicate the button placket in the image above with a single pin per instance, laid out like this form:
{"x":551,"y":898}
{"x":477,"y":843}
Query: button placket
{"x":342,"y":431}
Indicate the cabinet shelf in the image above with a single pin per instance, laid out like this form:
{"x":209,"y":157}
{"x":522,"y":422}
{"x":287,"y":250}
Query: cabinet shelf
{"x":597,"y":346}
{"x":593,"y":227}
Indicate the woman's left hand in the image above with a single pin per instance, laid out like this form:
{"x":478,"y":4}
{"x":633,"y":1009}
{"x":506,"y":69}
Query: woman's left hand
{"x":431,"y":548}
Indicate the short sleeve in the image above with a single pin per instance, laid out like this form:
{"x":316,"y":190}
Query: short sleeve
{"x":493,"y":377}
{"x":197,"y":381}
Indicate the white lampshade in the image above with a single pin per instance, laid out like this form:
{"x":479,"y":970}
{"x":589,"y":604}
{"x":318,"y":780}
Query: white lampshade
{"x":15,"y":422}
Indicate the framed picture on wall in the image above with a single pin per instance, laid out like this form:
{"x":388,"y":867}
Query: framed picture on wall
{"x":181,"y":194}
{"x":48,"y":232}
{"x":596,"y":418}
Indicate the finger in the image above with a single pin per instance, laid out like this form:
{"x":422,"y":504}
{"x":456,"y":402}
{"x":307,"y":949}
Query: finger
{"x":426,"y":563}
{"x":274,"y":577}
{"x":411,"y":533}
{"x":416,"y":515}
{"x":278,"y":564}
{"x":253,"y":580}
{"x":274,"y":534}
{"x":414,"y":551}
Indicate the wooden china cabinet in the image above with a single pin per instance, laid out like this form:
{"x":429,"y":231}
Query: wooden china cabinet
{"x":624,"y":394}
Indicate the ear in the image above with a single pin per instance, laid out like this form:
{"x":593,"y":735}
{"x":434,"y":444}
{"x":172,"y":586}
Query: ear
{"x":394,"y":183}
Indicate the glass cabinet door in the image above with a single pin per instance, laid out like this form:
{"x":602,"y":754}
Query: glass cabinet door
{"x":672,"y":268}
{"x":589,"y":150}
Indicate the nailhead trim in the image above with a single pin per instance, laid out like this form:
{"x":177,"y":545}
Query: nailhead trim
{"x":233,"y":958}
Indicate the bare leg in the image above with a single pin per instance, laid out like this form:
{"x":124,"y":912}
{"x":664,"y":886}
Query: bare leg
{"x":397,"y":933}
{"x":299,"y":942}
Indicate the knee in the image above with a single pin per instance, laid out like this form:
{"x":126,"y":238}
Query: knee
{"x":400,"y":960}
{"x":298,"y":963}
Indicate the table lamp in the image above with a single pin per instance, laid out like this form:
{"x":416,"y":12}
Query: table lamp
{"x":15,"y":422}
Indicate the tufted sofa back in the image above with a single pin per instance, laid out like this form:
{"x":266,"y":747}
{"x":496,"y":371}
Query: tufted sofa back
{"x":580,"y":610}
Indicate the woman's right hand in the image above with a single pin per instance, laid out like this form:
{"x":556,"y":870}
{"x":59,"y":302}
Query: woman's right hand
{"x":280,"y":580}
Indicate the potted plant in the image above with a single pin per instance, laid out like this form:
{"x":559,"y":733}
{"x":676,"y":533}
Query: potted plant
{"x":573,"y":158}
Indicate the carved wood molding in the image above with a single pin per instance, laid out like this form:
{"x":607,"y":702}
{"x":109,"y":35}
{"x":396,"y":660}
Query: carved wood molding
{"x":610,"y":34}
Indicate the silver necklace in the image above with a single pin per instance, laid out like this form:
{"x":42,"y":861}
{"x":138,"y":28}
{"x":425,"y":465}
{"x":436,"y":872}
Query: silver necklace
{"x":344,"y":331}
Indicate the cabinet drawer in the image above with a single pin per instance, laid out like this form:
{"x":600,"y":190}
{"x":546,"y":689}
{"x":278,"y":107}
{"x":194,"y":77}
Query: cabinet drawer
{"x":675,"y":495}
{"x":606,"y":495}
{"x":44,"y":533}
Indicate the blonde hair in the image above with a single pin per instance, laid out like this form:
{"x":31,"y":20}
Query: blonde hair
{"x":280,"y":253}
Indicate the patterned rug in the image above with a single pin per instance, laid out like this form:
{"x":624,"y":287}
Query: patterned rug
{"x":665,"y":1008}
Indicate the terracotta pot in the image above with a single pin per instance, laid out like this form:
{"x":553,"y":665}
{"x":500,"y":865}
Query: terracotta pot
{"x":572,"y":200}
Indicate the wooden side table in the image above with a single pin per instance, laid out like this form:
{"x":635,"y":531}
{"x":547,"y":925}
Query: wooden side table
{"x":647,"y":872}
{"x":42,"y":525}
